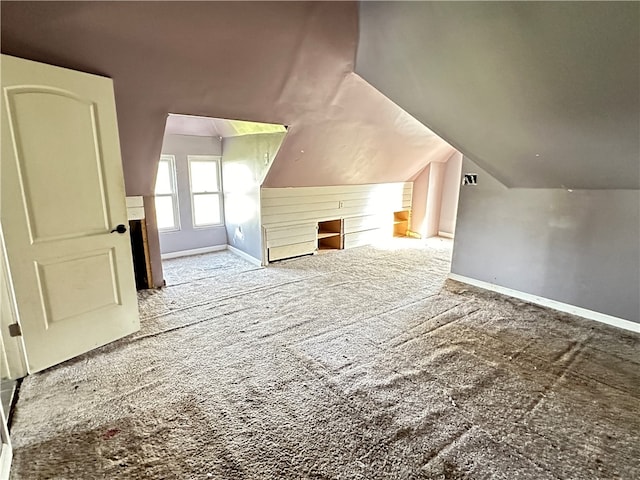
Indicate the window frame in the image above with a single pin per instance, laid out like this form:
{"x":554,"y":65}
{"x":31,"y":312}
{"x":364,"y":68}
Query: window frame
{"x":171,"y":159}
{"x":213,"y":159}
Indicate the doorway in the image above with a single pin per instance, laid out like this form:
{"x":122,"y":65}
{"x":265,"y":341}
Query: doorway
{"x":436,"y":190}
{"x":207,"y":187}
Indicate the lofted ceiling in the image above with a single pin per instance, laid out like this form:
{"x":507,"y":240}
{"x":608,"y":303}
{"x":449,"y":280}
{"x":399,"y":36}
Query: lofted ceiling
{"x":540,"y":94}
{"x":216,"y":127}
{"x":289,"y":63}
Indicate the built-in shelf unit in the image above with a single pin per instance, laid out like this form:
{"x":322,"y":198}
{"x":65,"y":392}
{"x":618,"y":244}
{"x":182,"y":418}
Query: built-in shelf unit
{"x":304,"y":220}
{"x":401,"y":223}
{"x":330,"y":235}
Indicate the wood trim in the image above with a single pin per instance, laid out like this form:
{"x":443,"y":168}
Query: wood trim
{"x":346,"y":196}
{"x":295,"y":250}
{"x":365,"y":237}
{"x":445,"y":234}
{"x":308,"y":229}
{"x":546,"y":302}
{"x":147,"y":255}
{"x":365,"y":222}
{"x":134,"y":201}
{"x":328,"y":190}
{"x":279,"y":242}
{"x":135,"y":208}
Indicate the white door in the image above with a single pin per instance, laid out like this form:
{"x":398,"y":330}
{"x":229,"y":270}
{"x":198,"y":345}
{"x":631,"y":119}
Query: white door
{"x":62,"y":194}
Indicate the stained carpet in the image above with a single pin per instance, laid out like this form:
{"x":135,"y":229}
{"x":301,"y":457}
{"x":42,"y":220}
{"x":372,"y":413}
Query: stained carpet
{"x":357,"y":364}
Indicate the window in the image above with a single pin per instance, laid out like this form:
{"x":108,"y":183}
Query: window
{"x":166,"y":195}
{"x":206,"y":198}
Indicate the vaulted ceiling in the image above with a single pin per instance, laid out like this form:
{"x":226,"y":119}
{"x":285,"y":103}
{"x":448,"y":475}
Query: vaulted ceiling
{"x":217,"y":127}
{"x":540,"y":94}
{"x":289,"y":63}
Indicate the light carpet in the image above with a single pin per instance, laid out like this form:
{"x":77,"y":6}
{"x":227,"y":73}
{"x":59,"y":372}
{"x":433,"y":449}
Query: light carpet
{"x":357,"y":364}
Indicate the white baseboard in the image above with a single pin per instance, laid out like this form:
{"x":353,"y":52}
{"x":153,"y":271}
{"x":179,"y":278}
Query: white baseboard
{"x":545,"y":302}
{"x":244,"y":255}
{"x":445,"y":234}
{"x":216,"y":248}
{"x":195,"y":251}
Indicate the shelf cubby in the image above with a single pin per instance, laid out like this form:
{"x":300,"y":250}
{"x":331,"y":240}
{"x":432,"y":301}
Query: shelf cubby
{"x":401,"y":223}
{"x":330,"y":235}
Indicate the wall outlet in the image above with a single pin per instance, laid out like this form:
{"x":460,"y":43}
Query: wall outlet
{"x":340,"y":204}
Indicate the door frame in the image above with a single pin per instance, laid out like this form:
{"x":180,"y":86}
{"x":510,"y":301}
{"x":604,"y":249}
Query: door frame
{"x":15,"y":366}
{"x":13,"y":351}
{"x":6,"y":451}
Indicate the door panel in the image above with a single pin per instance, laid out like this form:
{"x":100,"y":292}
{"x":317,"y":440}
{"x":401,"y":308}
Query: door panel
{"x":62,"y":193}
{"x":67,"y":292}
{"x":45,"y":161}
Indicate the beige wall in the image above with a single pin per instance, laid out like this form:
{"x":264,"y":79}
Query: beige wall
{"x":435,"y":197}
{"x":419,"y":201}
{"x":450,"y":194}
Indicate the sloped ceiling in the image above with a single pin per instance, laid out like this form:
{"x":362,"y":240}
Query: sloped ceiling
{"x":217,"y":127}
{"x":289,"y":63}
{"x":360,"y":135}
{"x":540,"y":94}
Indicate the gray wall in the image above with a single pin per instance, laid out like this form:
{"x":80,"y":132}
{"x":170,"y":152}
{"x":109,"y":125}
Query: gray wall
{"x":537,"y":93}
{"x":245,"y":162}
{"x":580,"y":247}
{"x":188,"y":237}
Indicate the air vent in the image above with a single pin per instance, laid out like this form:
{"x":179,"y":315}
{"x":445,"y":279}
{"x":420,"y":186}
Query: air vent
{"x":470,"y":179}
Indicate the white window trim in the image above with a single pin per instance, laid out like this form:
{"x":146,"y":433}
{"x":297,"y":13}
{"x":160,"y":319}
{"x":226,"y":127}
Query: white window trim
{"x":174,"y":189}
{"x":218,"y":161}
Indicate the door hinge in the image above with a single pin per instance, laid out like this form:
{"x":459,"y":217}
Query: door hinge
{"x":15,"y":330}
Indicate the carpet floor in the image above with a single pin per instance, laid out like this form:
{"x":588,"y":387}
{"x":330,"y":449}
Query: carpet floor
{"x":359,"y":364}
